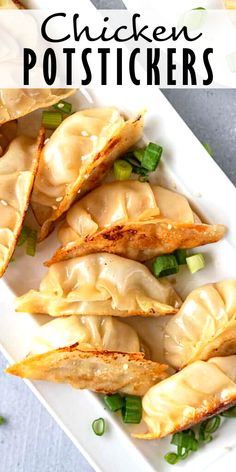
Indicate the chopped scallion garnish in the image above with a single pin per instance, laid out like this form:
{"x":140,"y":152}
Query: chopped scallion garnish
{"x":143,"y":178}
{"x":99,"y":426}
{"x":31,"y":243}
{"x":207,"y":428}
{"x":129,"y":157}
{"x":132,"y":409}
{"x":208,"y":149}
{"x":165,"y":265}
{"x":181,"y":255}
{"x":64,"y":107}
{"x":195,"y":262}
{"x":51,"y":119}
{"x":151,"y":157}
{"x":2,"y":420}
{"x":188,"y":441}
{"x":122,"y":169}
{"x":171,"y":457}
{"x":230,"y":413}
{"x":114,"y":402}
{"x":23,"y":235}
{"x":145,"y":160}
{"x":185,"y":442}
{"x":139,"y":153}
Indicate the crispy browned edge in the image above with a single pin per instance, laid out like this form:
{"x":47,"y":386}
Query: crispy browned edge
{"x":203,"y":414}
{"x":142,"y":241}
{"x":19,"y":4}
{"x":30,"y":367}
{"x":34,"y":168}
{"x":97,"y":170}
{"x":222,"y":346}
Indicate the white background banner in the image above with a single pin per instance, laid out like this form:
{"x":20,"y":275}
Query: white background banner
{"x":40,"y":48}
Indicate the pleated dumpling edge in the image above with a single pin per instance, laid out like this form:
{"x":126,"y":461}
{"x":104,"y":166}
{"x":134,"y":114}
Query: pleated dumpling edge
{"x":100,"y":284}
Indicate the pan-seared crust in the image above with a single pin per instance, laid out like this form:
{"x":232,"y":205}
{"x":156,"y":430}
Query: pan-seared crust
{"x":197,"y":392}
{"x":213,"y":408}
{"x":140,"y":241}
{"x":223,"y":345}
{"x":100,"y":371}
{"x":92,"y":175}
{"x":18,"y":4}
{"x":19,"y":224}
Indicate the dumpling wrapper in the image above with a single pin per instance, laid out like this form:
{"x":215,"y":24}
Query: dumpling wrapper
{"x":99,"y":371}
{"x":205,"y":325}
{"x":18,"y":167}
{"x":77,"y":157}
{"x":200,"y":390}
{"x":10,"y":4}
{"x":86,"y":352}
{"x":132,"y":219}
{"x":100,"y":284}
{"x":90,"y":332}
{"x":8,"y":132}
{"x":230,"y":4}
{"x":15,"y":103}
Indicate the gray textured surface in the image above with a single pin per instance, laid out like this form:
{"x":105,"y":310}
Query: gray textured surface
{"x":31,"y":441}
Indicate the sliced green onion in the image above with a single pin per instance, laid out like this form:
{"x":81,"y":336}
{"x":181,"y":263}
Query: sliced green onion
{"x":139,"y":153}
{"x":152,"y":156}
{"x":136,"y":167}
{"x":23,"y":235}
{"x":207,"y":428}
{"x":199,"y":8}
{"x":171,"y":457}
{"x":185,"y":440}
{"x":129,"y":157}
{"x":114,"y":402}
{"x":2,"y":420}
{"x":12,"y":259}
{"x":230,"y":413}
{"x":132,"y":409}
{"x":64,"y":107}
{"x":31,"y":243}
{"x":140,"y":171}
{"x":143,"y":178}
{"x":182,"y":453}
{"x":211,"y":425}
{"x":122,"y":169}
{"x":181,"y":255}
{"x":99,"y":426}
{"x":165,"y":265}
{"x":208,"y":149}
{"x":195,"y":262}
{"x":51,"y":119}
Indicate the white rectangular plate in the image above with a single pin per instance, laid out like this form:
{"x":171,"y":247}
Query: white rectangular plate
{"x":188,"y":168}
